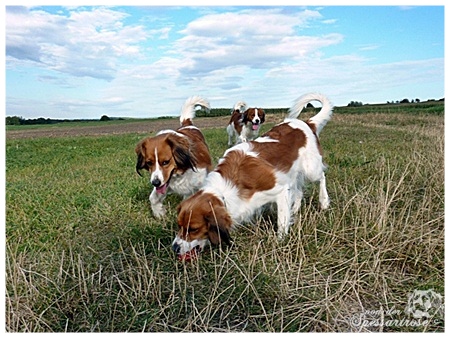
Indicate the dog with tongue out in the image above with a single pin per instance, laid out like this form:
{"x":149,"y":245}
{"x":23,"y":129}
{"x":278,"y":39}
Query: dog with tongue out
{"x":244,"y":123}
{"x":177,"y":160}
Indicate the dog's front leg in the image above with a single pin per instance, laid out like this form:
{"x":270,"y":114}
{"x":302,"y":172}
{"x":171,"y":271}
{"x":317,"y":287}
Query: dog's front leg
{"x":284,"y":212}
{"x":230,"y":132}
{"x":156,"y":202}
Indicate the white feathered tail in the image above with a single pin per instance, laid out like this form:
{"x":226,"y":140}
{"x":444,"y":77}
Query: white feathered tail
{"x":321,"y":118}
{"x":188,"y":109}
{"x":241,"y":106}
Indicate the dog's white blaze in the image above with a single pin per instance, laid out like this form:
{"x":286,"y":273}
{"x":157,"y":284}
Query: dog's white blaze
{"x":256,"y":116}
{"x":157,"y":173}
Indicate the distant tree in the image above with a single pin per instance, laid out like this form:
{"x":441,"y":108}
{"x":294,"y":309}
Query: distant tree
{"x":417,"y":100}
{"x":309,"y":105}
{"x":404,"y":101}
{"x":13,"y":120}
{"x":104,"y":118}
{"x":355,"y":104}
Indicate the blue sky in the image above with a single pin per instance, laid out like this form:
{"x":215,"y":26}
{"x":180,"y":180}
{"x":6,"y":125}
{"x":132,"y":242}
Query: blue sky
{"x":85,"y":62}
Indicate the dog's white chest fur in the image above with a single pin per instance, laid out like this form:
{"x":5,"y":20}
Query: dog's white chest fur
{"x":188,"y":183}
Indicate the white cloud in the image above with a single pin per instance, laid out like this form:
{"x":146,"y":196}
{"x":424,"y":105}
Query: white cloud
{"x":160,"y":33}
{"x":84,"y":43}
{"x":261,"y":24}
{"x":258,"y":39}
{"x":369,"y":47}
{"x":329,"y":22}
{"x":264,"y":56}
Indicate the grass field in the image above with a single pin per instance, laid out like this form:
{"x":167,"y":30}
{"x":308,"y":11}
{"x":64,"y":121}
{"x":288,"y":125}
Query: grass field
{"x":84,"y":254}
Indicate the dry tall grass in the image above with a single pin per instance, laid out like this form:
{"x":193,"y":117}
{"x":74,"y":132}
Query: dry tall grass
{"x":347,"y":269}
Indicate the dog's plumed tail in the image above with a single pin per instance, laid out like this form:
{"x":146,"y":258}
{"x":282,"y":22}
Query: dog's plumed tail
{"x":188,"y":109}
{"x":241,"y":106}
{"x":321,"y":118}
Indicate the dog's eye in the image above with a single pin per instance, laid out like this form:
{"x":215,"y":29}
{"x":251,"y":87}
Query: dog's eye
{"x":149,"y":163}
{"x":164,"y":163}
{"x":192,"y":231}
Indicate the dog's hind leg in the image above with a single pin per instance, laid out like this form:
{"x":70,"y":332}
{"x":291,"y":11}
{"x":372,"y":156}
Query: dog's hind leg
{"x":324,"y":200}
{"x":284,"y":212}
{"x":297,"y":194}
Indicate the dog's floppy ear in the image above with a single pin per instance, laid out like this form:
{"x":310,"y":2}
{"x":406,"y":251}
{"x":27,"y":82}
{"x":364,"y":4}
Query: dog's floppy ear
{"x":262,"y":116}
{"x":245,"y":117}
{"x":219,"y":223}
{"x":140,"y":163}
{"x":182,"y":154}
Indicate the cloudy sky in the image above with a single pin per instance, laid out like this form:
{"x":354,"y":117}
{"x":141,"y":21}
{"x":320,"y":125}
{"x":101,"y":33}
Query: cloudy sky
{"x":85,"y":62}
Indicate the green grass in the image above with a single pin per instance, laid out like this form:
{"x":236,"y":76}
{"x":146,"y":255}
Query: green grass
{"x":83,"y":252}
{"x":82,"y":123}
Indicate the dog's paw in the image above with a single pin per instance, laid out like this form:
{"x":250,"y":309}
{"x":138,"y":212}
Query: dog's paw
{"x":324,"y":203}
{"x":158,"y":210}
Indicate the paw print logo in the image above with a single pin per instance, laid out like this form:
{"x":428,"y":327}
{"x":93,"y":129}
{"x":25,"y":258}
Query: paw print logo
{"x":425,"y":304}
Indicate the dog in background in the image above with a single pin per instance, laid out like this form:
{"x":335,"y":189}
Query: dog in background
{"x":244,"y":123}
{"x":177,"y":160}
{"x":271,"y":169}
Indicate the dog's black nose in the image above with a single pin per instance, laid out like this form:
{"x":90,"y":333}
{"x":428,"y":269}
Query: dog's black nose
{"x":156,"y":182}
{"x":257,"y":121}
{"x":176,"y":247}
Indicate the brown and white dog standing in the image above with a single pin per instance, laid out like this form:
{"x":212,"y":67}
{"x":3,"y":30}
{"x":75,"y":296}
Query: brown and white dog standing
{"x":178,"y":161}
{"x":244,"y":123}
{"x":271,"y":169}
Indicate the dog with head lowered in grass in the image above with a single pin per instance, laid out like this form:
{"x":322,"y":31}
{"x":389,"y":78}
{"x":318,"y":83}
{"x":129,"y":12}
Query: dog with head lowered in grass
{"x":271,"y":169}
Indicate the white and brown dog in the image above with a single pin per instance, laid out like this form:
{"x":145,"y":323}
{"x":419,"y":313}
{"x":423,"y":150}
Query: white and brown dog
{"x":244,"y":123}
{"x":271,"y":169}
{"x":178,"y":161}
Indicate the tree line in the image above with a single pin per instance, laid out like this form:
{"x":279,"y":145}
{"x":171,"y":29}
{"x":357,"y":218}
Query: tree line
{"x":17,"y":120}
{"x":359,"y":104}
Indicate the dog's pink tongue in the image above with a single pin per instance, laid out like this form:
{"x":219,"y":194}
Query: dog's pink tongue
{"x":255,"y":127}
{"x":162,"y":189}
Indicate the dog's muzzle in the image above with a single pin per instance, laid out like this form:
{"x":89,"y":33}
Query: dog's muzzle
{"x":255,"y":124}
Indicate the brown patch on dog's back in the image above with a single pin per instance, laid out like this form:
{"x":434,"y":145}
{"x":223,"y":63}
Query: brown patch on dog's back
{"x":283,"y":153}
{"x":250,"y":174}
